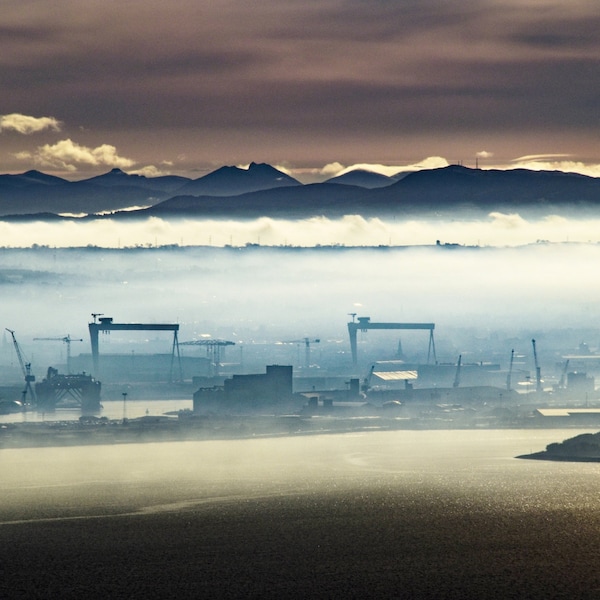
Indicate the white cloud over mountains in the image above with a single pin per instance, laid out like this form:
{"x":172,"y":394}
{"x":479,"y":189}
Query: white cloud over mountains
{"x":67,"y":155}
{"x":27,"y":125}
{"x":538,"y":162}
{"x":334,"y":169}
{"x":557,"y":162}
{"x":431,"y":162}
{"x":309,"y":83}
{"x":64,"y":155}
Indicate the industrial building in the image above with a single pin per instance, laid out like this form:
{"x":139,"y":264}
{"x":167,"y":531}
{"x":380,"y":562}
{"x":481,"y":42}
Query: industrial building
{"x":246,"y":393}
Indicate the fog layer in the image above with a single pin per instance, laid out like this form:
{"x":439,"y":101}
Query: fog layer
{"x":494,"y":229}
{"x":288,"y":293}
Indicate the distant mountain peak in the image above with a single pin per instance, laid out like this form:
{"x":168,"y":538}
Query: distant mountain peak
{"x":253,"y":166}
{"x":39,"y":176}
{"x":232,"y":181}
{"x":362,"y":178}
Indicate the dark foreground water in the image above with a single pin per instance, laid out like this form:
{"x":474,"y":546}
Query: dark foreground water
{"x":373,"y":515}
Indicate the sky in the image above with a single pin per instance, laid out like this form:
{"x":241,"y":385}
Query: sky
{"x":313,"y":87}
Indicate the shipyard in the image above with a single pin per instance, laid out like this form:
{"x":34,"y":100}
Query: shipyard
{"x":218,"y":400}
{"x":298,"y":300}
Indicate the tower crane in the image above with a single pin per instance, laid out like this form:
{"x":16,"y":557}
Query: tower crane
{"x":538,"y":371}
{"x":307,"y":342}
{"x":26,"y":368}
{"x":67,"y":339}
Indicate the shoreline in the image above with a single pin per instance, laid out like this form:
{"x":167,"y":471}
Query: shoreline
{"x":558,"y":458}
{"x":188,"y":427}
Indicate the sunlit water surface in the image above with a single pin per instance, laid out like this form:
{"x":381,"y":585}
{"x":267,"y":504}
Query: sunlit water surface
{"x":407,"y":514}
{"x":473,"y":466}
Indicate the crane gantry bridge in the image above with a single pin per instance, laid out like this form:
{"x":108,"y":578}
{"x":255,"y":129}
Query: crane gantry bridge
{"x":106,"y":325}
{"x":364,"y":324}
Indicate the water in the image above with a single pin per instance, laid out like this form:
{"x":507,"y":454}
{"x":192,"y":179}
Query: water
{"x":480,"y":461}
{"x":436,"y":514}
{"x":112,"y":409}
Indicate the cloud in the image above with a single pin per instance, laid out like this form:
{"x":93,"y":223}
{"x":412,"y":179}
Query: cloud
{"x":67,"y":155}
{"x":27,"y":125}
{"x":495,"y":230}
{"x":484,"y":154}
{"x":293,"y":78}
{"x":148,"y":171}
{"x":510,"y":221}
{"x":531,"y":157}
{"x":332,"y":169}
{"x":431,"y":162}
{"x":545,"y":162}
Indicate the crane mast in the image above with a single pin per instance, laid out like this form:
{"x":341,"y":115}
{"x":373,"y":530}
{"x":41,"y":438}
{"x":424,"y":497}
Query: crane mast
{"x":538,"y":371}
{"x":563,"y":376}
{"x":25,"y":368}
{"x":457,"y":374}
{"x":510,"y":370}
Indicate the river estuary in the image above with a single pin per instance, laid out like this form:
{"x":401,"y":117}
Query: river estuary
{"x":409,"y":514}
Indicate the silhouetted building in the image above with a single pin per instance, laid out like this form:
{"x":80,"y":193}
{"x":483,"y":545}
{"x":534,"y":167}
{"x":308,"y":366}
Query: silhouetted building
{"x":266,"y":391}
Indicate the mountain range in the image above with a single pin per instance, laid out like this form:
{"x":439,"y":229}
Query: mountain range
{"x":262,"y":190}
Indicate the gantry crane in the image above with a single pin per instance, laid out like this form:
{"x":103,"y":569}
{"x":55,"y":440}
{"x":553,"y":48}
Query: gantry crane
{"x":214,"y":348}
{"x":26,"y":369}
{"x":364,"y":323}
{"x":67,"y":339}
{"x":106,"y":325}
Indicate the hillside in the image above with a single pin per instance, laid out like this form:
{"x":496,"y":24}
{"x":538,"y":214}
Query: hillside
{"x":262,"y":190}
{"x":440,"y":190}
